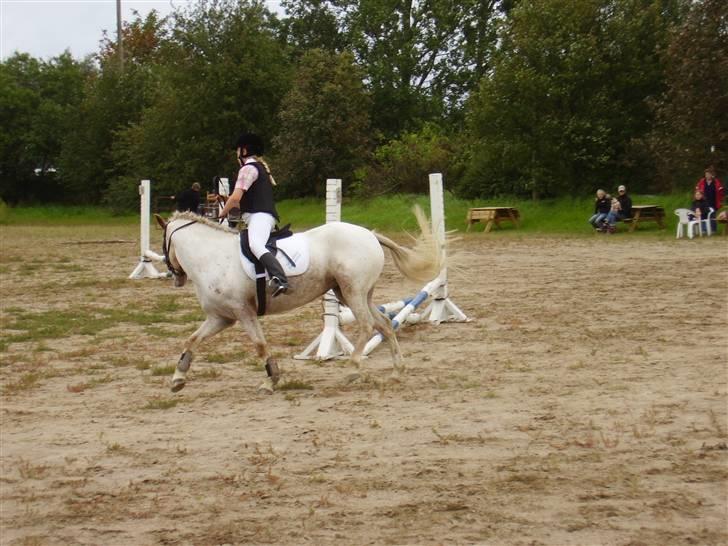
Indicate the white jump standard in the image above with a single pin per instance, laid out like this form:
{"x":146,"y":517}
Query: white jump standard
{"x":441,"y":308}
{"x":331,"y":342}
{"x":145,"y":268}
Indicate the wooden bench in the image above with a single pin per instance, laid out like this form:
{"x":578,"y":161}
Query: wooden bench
{"x":492,"y":215}
{"x":646,"y":213}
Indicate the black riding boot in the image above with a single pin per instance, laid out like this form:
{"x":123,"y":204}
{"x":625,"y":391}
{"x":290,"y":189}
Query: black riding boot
{"x":278,"y":280}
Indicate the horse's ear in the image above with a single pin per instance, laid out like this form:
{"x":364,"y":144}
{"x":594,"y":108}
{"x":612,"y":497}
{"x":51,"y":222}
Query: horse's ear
{"x":161,"y":221}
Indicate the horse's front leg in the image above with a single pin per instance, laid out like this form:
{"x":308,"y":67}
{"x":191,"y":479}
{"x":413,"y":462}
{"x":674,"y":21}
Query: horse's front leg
{"x":212,"y":325}
{"x":249,"y":322}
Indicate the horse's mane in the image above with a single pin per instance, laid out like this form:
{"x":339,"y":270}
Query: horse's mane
{"x":188,"y":215}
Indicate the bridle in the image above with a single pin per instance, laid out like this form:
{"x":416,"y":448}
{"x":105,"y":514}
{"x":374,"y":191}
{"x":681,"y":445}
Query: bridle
{"x":166,"y":247}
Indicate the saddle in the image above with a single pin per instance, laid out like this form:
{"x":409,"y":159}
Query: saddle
{"x":272,"y":246}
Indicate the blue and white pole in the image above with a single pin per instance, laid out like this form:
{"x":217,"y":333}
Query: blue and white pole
{"x":406,"y":311}
{"x":390,"y":309}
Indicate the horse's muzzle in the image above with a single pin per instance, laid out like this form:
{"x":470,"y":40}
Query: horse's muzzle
{"x":180,"y":280}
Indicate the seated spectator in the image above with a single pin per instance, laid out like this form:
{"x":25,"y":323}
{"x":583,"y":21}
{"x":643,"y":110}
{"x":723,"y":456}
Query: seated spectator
{"x":189,"y":199}
{"x":620,"y":212}
{"x":699,"y":207}
{"x":602,"y":206}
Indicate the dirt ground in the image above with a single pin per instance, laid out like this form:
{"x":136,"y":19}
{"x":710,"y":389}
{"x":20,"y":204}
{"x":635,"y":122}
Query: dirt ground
{"x":584,"y":404}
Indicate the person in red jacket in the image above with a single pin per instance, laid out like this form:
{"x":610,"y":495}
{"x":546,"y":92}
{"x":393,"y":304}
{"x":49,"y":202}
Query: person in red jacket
{"x":712,"y":190}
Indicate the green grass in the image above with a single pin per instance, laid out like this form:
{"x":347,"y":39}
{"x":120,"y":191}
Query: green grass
{"x":547,"y":216}
{"x":222,"y":358}
{"x":26,"y":382}
{"x":163,"y":370}
{"x":388,"y":213}
{"x":86,"y":320}
{"x":62,"y":215}
{"x":295,"y":385}
{"x":161,"y":403}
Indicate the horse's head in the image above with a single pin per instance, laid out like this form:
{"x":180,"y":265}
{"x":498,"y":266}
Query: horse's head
{"x":170,"y":258}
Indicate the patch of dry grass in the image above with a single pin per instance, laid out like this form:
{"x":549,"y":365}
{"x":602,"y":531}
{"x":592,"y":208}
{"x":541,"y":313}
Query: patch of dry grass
{"x":161,"y":404}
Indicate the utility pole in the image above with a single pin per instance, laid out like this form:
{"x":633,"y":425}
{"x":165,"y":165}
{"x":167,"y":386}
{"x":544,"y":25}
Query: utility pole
{"x":119,"y":44}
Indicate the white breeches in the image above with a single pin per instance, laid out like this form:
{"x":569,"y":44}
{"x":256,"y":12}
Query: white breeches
{"x":260,"y":224}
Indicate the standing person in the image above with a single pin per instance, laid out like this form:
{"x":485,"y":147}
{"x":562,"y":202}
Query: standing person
{"x":602,"y":206}
{"x":712,"y":190}
{"x":189,"y":199}
{"x":622,"y":212}
{"x":253,"y":194}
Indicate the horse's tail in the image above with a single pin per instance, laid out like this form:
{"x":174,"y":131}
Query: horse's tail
{"x":424,"y":261}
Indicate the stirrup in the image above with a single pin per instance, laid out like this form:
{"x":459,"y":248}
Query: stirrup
{"x":277,"y":286}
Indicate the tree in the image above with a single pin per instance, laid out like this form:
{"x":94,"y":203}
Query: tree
{"x":566,"y":95}
{"x":312,"y":24}
{"x":36,"y":103}
{"x":691,"y":128}
{"x":325,"y":129}
{"x":420,"y":58}
{"x":220,"y":70}
{"x":113,"y":100}
{"x":402,"y":165}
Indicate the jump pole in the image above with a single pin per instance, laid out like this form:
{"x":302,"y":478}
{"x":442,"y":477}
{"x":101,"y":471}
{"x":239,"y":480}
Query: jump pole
{"x":401,"y":317}
{"x":332,"y":342}
{"x":145,"y":268}
{"x":390,"y":309}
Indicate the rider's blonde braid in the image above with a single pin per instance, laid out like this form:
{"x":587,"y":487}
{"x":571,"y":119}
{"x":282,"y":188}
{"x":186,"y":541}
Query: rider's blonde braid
{"x":267,"y":170}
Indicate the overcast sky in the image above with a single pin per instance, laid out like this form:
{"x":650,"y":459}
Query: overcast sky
{"x":46,"y":28}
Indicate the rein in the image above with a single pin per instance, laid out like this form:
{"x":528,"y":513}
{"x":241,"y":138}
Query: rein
{"x":166,"y":247}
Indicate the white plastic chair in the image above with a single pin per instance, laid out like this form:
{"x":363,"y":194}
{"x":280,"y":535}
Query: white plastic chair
{"x":690,"y":225}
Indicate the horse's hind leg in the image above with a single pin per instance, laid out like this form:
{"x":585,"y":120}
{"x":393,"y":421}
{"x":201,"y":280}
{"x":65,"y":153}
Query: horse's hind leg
{"x":365,"y":323}
{"x":212,"y":325}
{"x":384,"y":326}
{"x":369,"y":318}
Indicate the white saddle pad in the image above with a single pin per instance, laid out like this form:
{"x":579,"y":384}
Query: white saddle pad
{"x":295,"y":246}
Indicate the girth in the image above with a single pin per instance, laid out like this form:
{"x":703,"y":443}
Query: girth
{"x":272,"y":246}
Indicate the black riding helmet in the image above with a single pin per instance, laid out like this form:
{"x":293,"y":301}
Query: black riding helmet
{"x":252,"y":143}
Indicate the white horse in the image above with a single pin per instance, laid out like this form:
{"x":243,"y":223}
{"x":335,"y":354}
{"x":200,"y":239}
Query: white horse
{"x":343,"y":257}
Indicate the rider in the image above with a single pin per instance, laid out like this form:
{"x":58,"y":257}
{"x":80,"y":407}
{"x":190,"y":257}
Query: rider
{"x":255,"y":183}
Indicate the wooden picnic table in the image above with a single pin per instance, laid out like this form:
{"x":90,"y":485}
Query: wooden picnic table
{"x":492,"y":215}
{"x":646,"y":213}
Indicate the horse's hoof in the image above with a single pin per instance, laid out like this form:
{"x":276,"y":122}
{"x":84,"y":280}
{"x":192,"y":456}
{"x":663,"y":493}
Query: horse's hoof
{"x":266,"y":387}
{"x":177,"y":385}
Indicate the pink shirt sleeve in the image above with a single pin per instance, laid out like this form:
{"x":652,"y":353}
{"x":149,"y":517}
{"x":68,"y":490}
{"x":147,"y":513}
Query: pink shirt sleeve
{"x":246,"y":176}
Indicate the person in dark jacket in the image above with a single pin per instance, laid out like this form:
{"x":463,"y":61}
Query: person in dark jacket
{"x":253,"y":194}
{"x":622,"y":212}
{"x":699,"y":207}
{"x":602,"y":206}
{"x":189,"y":199}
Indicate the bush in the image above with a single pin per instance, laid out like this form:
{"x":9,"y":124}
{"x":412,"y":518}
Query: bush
{"x":402,"y":165}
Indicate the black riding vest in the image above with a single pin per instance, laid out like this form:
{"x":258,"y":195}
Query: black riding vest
{"x":259,"y":197}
